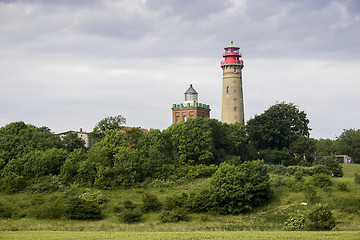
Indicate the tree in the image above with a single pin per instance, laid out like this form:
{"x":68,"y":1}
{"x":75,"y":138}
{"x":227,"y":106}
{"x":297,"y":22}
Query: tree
{"x":108,"y":123}
{"x":331,"y":165}
{"x":236,"y":189}
{"x":201,"y":141}
{"x":303,"y":148}
{"x":71,"y":142}
{"x":325,"y":147}
{"x":321,"y":218}
{"x":18,"y":138}
{"x":69,"y":170}
{"x":278,"y":126}
{"x":349,"y":143}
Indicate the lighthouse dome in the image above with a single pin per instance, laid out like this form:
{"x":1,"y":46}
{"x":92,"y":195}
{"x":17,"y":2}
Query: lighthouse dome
{"x":191,"y":94}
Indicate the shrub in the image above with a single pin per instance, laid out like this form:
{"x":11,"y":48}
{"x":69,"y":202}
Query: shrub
{"x":236,"y":189}
{"x":321,"y":218}
{"x":348,"y":205}
{"x":47,"y":184}
{"x":93,"y":196}
{"x":310,"y":192}
{"x":80,"y":209}
{"x":295,"y":222}
{"x":5,"y":211}
{"x":175,"y":215}
{"x":175,"y":201}
{"x":199,"y":202}
{"x":342,"y":187}
{"x":150,"y":203}
{"x":318,"y":169}
{"x":332,"y":166}
{"x":129,"y":205}
{"x":357,"y":178}
{"x":321,"y":180}
{"x":278,"y":169}
{"x":277,"y":181}
{"x":130,"y":216}
{"x":12,"y":182}
{"x":52,"y":209}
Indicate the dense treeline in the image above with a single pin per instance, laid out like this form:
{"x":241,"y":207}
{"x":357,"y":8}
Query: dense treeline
{"x":187,"y":150}
{"x":36,"y":160}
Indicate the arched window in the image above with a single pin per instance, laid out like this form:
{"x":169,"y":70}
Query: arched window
{"x":227,"y":89}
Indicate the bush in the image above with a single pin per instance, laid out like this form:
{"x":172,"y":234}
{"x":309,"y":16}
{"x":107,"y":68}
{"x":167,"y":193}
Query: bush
{"x":175,"y":201}
{"x":321,"y":180}
{"x":150,"y":203}
{"x":130,"y":216}
{"x":318,"y":169}
{"x":47,"y":184}
{"x":277,"y":181}
{"x":321,"y":218}
{"x":52,"y":209}
{"x":236,"y":189}
{"x":199,"y":202}
{"x":357,"y":178}
{"x":278,"y":169}
{"x":80,"y":209}
{"x":310,"y":192}
{"x":175,"y":215}
{"x":348,"y":205}
{"x":12,"y":182}
{"x":332,"y":166}
{"x":295,"y":222}
{"x":5,"y":211}
{"x":342,"y":187}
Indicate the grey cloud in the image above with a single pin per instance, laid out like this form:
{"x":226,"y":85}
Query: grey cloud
{"x":68,"y":64}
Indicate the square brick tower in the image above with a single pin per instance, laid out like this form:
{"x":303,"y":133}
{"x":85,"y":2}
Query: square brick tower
{"x":191,"y":108}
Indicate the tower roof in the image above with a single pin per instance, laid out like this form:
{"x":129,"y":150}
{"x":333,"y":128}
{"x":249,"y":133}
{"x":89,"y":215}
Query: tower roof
{"x":191,"y":90}
{"x":232,"y":45}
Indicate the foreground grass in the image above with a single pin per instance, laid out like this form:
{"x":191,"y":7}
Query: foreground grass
{"x":345,"y":206}
{"x":48,"y":235}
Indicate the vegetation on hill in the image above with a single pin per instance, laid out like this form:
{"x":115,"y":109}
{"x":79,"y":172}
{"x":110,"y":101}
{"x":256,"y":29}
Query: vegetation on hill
{"x":67,"y":181}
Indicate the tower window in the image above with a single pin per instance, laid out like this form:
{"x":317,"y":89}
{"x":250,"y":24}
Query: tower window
{"x":234,"y":69}
{"x":227,"y":89}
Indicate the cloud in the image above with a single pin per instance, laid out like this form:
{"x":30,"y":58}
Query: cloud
{"x":68,"y":64}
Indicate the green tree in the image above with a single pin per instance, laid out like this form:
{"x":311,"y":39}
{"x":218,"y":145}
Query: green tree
{"x":108,"y":123}
{"x":332,"y":166}
{"x":321,"y":218}
{"x":278,"y":126}
{"x":200,"y":141}
{"x":70,"y":169}
{"x":304,"y":149}
{"x":349,"y":143}
{"x":18,"y":138}
{"x":325,"y":147}
{"x":236,"y":189}
{"x":71,"y":141}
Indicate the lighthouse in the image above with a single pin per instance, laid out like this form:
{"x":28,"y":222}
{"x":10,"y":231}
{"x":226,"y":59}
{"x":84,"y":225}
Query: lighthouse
{"x":191,"y":108}
{"x":232,"y":94}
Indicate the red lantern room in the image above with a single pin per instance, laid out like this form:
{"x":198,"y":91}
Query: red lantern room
{"x":232,"y":56}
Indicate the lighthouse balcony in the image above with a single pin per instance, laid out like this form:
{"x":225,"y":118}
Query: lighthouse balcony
{"x":232,"y":62}
{"x":236,"y":54}
{"x":187,"y":105}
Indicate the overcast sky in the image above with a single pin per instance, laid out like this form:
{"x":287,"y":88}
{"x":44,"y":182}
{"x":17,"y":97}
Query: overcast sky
{"x":67,"y":64}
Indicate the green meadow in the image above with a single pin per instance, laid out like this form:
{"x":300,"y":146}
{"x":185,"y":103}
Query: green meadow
{"x":48,"y":235}
{"x":266,"y":222}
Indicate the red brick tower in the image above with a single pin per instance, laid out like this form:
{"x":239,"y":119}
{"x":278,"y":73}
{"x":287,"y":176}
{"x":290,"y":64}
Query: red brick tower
{"x":191,"y":108}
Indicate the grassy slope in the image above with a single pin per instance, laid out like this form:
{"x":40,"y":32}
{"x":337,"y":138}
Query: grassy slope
{"x":345,"y":206}
{"x":180,"y":235}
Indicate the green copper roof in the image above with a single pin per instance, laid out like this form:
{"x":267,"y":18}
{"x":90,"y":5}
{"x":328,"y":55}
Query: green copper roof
{"x":231,"y":45}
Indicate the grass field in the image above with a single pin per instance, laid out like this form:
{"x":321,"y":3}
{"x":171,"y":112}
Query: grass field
{"x":345,"y":206}
{"x":46,"y":235}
